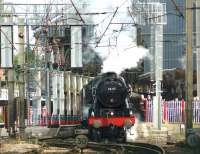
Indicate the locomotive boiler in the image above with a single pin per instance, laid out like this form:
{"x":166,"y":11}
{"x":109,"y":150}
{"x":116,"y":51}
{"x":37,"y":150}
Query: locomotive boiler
{"x":106,"y":110}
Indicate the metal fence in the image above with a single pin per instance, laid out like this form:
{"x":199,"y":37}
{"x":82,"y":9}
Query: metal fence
{"x":172,"y":111}
{"x":40,"y":117}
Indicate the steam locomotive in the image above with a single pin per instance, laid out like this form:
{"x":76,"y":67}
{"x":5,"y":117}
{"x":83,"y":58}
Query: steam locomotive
{"x":106,"y":109}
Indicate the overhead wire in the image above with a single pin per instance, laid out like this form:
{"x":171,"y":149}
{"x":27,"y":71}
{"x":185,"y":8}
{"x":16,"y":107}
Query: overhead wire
{"x":177,"y":8}
{"x":114,"y":14}
{"x":77,"y":11}
{"x":48,"y":16}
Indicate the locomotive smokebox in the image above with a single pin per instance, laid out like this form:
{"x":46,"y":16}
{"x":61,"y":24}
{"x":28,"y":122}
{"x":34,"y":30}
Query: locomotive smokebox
{"x":111,"y":92}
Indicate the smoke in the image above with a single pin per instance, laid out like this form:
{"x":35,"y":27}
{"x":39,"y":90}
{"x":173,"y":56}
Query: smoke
{"x":91,"y":57}
{"x":124,"y":56}
{"x":138,"y":131}
{"x":117,"y":46}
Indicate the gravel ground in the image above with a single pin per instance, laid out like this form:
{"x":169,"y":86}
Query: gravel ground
{"x":33,"y":148}
{"x":19,"y":148}
{"x":180,"y":148}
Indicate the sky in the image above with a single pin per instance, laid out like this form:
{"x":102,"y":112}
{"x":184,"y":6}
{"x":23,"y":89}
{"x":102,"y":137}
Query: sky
{"x":119,"y":49}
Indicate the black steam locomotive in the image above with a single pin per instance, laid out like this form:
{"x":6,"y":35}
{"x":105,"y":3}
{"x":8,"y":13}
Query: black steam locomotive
{"x":106,"y":109}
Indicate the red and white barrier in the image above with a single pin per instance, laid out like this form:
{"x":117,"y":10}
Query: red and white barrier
{"x":173,"y":111}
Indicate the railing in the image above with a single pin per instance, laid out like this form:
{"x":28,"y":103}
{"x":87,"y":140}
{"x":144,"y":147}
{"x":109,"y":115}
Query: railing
{"x":196,"y":111}
{"x":41,"y":118}
{"x":173,"y":111}
{"x":64,"y":119}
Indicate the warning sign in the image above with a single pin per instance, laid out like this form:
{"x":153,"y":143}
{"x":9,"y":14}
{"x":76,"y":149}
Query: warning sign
{"x":81,"y":141}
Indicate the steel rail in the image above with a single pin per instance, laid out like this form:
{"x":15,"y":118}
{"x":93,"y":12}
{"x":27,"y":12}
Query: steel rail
{"x":110,"y":147}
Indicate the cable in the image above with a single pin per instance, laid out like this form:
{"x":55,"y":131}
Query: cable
{"x":77,"y":12}
{"x":107,"y":27}
{"x":177,"y":8}
{"x":11,"y":43}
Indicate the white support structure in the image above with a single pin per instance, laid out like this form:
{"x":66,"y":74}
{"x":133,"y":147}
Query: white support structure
{"x":6,"y":47}
{"x":152,"y":53}
{"x":61,"y":93}
{"x":158,"y":61}
{"x":150,"y":13}
{"x":154,"y":14}
{"x":76,"y":47}
{"x":74,"y":84}
{"x":80,"y":86}
{"x":35,"y":13}
{"x":68,"y":89}
{"x":55,"y":94}
{"x":74,"y":101}
{"x":36,"y":100}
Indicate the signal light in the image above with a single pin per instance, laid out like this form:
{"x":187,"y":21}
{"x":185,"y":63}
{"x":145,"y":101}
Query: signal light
{"x":111,"y":113}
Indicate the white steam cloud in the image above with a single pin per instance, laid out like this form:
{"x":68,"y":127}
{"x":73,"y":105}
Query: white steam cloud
{"x":118,"y":45}
{"x":125,"y":55}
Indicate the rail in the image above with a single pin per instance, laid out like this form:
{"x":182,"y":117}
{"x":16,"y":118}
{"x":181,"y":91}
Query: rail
{"x":113,"y":148}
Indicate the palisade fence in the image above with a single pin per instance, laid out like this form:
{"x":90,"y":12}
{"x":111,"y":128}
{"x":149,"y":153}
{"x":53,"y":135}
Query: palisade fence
{"x":172,"y":111}
{"x":43,"y":119}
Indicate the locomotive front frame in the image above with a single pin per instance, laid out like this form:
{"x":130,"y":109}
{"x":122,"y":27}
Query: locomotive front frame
{"x":107,"y":121}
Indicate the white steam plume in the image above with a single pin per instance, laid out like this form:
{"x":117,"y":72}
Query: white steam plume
{"x":126,"y":56}
{"x":119,"y":49}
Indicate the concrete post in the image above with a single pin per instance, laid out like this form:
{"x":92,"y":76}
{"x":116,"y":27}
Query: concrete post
{"x":158,"y":75}
{"x":58,"y":92}
{"x":189,"y":66}
{"x":69,"y":94}
{"x":21,"y":40}
{"x":80,"y":83}
{"x":157,"y":67}
{"x":55,"y":94}
{"x":152,"y":53}
{"x":74,"y":95}
{"x":65,"y":92}
{"x":36,"y":102}
{"x":11,"y":123}
{"x":62,"y":97}
{"x":198,"y":46}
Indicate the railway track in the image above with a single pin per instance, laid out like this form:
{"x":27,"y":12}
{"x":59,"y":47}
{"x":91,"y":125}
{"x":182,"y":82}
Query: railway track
{"x":107,"y":148}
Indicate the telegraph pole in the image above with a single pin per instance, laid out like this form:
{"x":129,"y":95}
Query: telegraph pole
{"x":198,"y":46}
{"x":189,"y":67}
